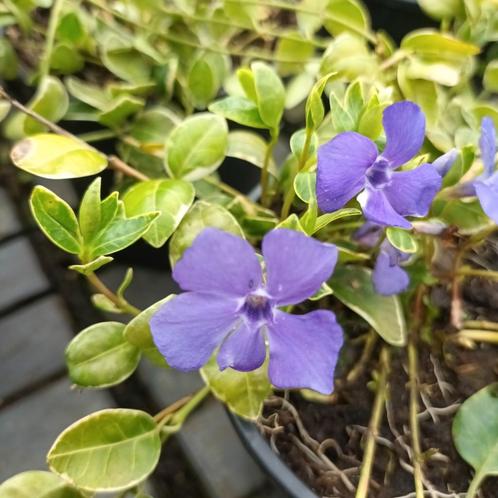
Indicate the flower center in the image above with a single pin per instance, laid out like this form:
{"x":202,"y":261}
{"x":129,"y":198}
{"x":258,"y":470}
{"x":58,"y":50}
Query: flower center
{"x":257,"y":308}
{"x":379,"y":174}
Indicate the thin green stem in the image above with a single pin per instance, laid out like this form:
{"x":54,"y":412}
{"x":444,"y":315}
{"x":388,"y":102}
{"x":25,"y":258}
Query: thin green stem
{"x":373,"y":427}
{"x":290,"y":195}
{"x":480,"y":324}
{"x":250,"y":207}
{"x":119,"y":302}
{"x":49,"y":40}
{"x":474,"y":485}
{"x":97,"y":136}
{"x":266,"y":167}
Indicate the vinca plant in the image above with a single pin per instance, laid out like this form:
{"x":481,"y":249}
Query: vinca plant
{"x":378,"y":185}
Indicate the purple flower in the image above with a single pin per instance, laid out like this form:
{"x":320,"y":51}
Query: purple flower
{"x":388,"y":277}
{"x":229,"y":304}
{"x":486,"y":185}
{"x":350,"y":163}
{"x":443,"y":163}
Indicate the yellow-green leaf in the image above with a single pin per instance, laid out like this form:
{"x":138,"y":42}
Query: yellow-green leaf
{"x":57,"y":157}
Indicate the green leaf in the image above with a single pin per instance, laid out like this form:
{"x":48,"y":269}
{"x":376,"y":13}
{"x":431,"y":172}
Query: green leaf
{"x":171,"y":198}
{"x":154,"y":125}
{"x":441,"y":9}
{"x":125,"y":62}
{"x":315,"y":111}
{"x":239,"y":109}
{"x":270,"y":93}
{"x":249,"y":147}
{"x":119,"y":109}
{"x":57,"y":157}
{"x":201,"y":215}
{"x":490,"y":78}
{"x":401,"y":239}
{"x":92,"y":266}
{"x":89,"y":215}
{"x":66,"y":59}
{"x":246,"y":80}
{"x":325,"y":219}
{"x":292,"y":222}
{"x":349,"y":56}
{"x":242,"y":392}
{"x":138,"y":333}
{"x":475,"y":434}
{"x":39,"y":484}
{"x":117,"y":448}
{"x":103,"y":303}
{"x":370,"y":122}
{"x":4,"y":109}
{"x":205,"y":77}
{"x":429,"y":42}
{"x":8,"y":60}
{"x":298,"y":140}
{"x":92,"y":95}
{"x":100,"y":356}
{"x":196,"y":147}
{"x":311,"y":21}
{"x":305,"y":186}
{"x":50,"y":101}
{"x":352,"y":285}
{"x":294,"y":48}
{"x":468,"y":216}
{"x":56,"y":219}
{"x":341,"y":119}
{"x":323,"y":291}
{"x":298,"y":89}
{"x":119,"y":233}
{"x":354,"y":101}
{"x":346,"y":15}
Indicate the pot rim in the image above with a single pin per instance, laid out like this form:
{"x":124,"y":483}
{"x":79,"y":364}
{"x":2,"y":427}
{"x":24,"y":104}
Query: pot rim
{"x":268,"y":460}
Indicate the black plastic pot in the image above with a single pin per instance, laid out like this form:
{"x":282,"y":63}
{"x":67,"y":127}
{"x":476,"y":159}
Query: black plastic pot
{"x":269,"y":462}
{"x":398,"y":17}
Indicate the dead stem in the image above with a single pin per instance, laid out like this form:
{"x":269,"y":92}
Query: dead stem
{"x":366,"y":354}
{"x":373,"y":428}
{"x":480,"y":324}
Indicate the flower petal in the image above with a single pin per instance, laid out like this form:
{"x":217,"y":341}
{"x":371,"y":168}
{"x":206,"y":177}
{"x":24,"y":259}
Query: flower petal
{"x":487,"y":144}
{"x":187,"y":329}
{"x":388,"y":277}
{"x":404,"y":124}
{"x":411,"y":192}
{"x":219,"y":262}
{"x":377,"y":209}
{"x":296,"y":265}
{"x":342,"y":163}
{"x":487,"y":192}
{"x":444,"y":163}
{"x":304,"y":350}
{"x":244,"y":349}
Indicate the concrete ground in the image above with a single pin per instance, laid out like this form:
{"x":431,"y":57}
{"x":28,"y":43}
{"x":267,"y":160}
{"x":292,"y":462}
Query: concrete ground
{"x":36,"y":399}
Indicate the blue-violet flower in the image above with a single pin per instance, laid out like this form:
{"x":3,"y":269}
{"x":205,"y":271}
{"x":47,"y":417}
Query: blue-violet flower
{"x":228,"y":304}
{"x":350,"y":164}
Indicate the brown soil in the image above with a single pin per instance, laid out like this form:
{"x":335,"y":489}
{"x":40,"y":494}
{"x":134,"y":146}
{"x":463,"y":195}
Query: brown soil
{"x":313,"y":438}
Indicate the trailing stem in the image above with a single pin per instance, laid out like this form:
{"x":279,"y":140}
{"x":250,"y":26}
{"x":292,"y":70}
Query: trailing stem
{"x":118,"y":301}
{"x":373,"y":427}
{"x":49,"y":41}
{"x":266,"y":167}
{"x":413,"y":383}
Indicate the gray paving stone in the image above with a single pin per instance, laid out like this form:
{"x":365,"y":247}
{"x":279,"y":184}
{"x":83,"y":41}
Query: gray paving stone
{"x":208,"y":438}
{"x":20,"y":273}
{"x":29,"y":427}
{"x":9,"y":223}
{"x":32,"y":343}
